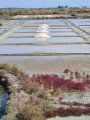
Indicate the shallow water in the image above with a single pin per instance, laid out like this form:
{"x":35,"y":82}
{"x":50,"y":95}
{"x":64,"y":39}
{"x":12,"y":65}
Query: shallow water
{"x":3,"y":99}
{"x":8,"y":26}
{"x":49,"y":40}
{"x":47,"y":49}
{"x":26,"y":30}
{"x":49,"y":29}
{"x":56,"y":29}
{"x":2,"y":31}
{"x":48,"y":22}
{"x":23,"y":34}
{"x":62,"y":34}
{"x":80,"y":20}
{"x":50,"y":34}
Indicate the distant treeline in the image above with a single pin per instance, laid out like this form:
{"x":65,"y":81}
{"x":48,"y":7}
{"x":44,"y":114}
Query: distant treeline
{"x":43,"y":11}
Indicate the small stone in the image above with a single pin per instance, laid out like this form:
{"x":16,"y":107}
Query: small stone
{"x":14,"y":79}
{"x":15,"y":85}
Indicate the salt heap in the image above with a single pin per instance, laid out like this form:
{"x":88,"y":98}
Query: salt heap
{"x":42,"y":39}
{"x":44,"y":25}
{"x":42,"y":33}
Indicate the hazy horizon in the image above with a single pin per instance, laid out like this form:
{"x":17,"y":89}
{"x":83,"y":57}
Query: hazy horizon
{"x":43,"y":4}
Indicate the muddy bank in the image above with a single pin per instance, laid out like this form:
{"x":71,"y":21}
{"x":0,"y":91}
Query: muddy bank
{"x":49,"y":64}
{"x":9,"y":83}
{"x":46,"y":16}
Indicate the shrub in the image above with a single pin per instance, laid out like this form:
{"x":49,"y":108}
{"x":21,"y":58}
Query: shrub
{"x":5,"y":68}
{"x":60,"y":82}
{"x":21,"y":98}
{"x":41,"y":94}
{"x":66,"y":70}
{"x":30,"y":87}
{"x":30,"y":112}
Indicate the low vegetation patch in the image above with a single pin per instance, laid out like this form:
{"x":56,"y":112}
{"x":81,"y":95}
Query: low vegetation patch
{"x":27,"y":103}
{"x":75,"y":104}
{"x":44,"y":11}
{"x":63,"y":112}
{"x":69,"y":81}
{"x":6,"y":69}
{"x":1,"y":90}
{"x":34,"y":100}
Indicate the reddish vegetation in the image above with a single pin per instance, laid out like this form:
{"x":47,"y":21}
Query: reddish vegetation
{"x":60,"y":82}
{"x":31,"y":85}
{"x":62,"y":112}
{"x":66,"y":71}
{"x":56,"y":82}
{"x":75,"y":104}
{"x":33,"y":102}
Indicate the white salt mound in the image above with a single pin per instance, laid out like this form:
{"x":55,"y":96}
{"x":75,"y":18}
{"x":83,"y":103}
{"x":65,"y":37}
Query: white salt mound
{"x":41,"y":35}
{"x":42,"y":39}
{"x":43,"y":25}
{"x":42,"y":28}
{"x":43,"y":31}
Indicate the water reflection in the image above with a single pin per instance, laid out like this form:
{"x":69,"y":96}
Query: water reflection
{"x":3,"y":99}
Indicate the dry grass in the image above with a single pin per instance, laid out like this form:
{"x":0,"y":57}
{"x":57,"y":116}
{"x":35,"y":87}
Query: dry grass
{"x":44,"y":11}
